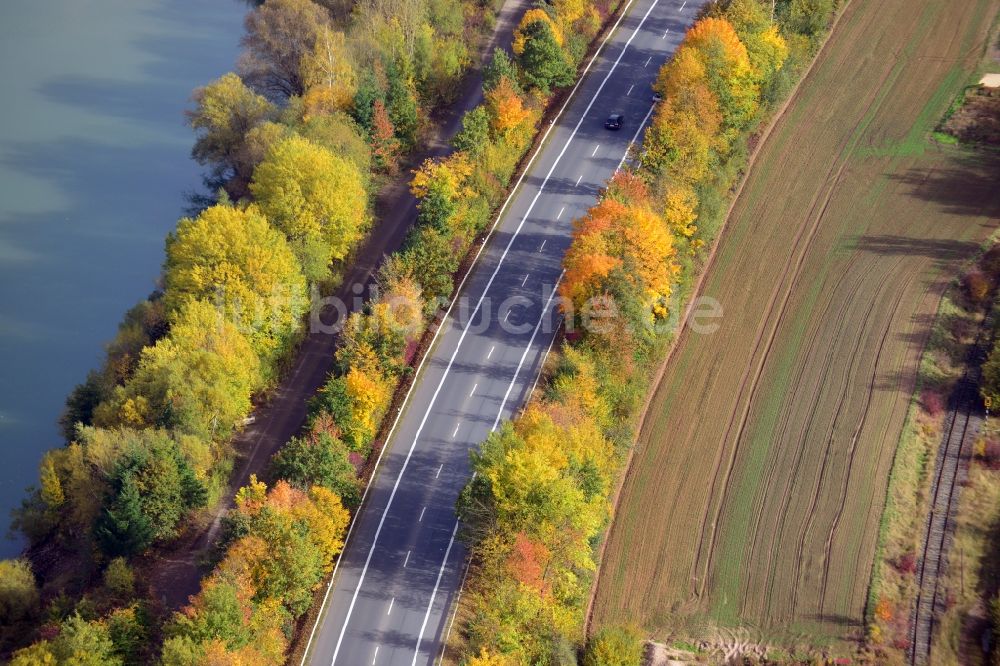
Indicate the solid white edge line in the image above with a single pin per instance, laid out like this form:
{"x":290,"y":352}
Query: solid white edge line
{"x":635,"y":137}
{"x":437,"y":584}
{"x":541,"y":365}
{"x":454,"y":614}
{"x":503,"y":404}
{"x":524,"y":354}
{"x":406,"y":399}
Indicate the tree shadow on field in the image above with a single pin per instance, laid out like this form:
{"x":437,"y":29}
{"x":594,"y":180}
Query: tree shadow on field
{"x":967,"y":185}
{"x":834,"y":618}
{"x":942,"y":250}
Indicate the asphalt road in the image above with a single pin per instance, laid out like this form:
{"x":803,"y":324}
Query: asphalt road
{"x":402,"y":566}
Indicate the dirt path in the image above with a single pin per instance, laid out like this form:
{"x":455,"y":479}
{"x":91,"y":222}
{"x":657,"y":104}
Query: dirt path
{"x":176,"y":573}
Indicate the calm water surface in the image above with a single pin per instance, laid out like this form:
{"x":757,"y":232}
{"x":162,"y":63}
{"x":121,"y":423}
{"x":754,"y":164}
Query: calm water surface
{"x":94,"y":163}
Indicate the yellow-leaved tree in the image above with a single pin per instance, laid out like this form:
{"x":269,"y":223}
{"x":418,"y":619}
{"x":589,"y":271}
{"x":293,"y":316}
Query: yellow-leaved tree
{"x":766,"y":48}
{"x":727,"y":64}
{"x":569,"y":11}
{"x":685,"y":133}
{"x":197,"y":380}
{"x":614,"y":235}
{"x":316,"y":198}
{"x":485,"y":658}
{"x":505,"y":107}
{"x":533,"y":16}
{"x":225,"y":112}
{"x":232,"y":258}
{"x":328,"y":75}
{"x":369,"y":392}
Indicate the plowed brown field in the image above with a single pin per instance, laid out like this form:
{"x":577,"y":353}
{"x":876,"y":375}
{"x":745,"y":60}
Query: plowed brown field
{"x":756,"y":491}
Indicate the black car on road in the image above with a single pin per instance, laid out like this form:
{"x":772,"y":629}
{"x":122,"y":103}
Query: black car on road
{"x":614,"y":121}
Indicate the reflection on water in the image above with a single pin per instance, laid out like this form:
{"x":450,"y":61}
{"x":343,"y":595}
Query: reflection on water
{"x":94,"y":162}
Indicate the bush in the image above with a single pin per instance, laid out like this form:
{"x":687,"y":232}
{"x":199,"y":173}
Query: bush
{"x":977,"y":287}
{"x":991,"y":452}
{"x":79,"y":642}
{"x":18,"y":594}
{"x":318,"y":459}
{"x":285,"y":542}
{"x":152,"y":486}
{"x":932,"y":402}
{"x":990,"y":387}
{"x":119,"y":578}
{"x":129,"y":631}
{"x":613,"y":646}
{"x":907,"y":563}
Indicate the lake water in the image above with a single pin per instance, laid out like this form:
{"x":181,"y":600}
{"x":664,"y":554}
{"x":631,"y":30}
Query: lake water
{"x":94,"y":164}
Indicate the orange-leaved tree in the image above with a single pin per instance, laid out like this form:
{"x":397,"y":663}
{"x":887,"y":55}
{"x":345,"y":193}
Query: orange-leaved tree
{"x":626,"y":235}
{"x":727,"y":67}
{"x":506,"y":108}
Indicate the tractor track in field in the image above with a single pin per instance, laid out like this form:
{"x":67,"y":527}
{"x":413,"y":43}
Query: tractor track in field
{"x":787,"y":494}
{"x":766,"y":340}
{"x":777,"y":304}
{"x":962,"y":425}
{"x":828,"y":550}
{"x":748,"y":386}
{"x":827,"y":452}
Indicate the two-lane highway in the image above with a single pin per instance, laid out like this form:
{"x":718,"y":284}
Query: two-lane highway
{"x":402,"y":566}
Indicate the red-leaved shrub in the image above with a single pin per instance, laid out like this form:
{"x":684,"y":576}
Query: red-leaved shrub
{"x":932,"y":402}
{"x":907,"y":563}
{"x":977,"y":286}
{"x":991,"y":452}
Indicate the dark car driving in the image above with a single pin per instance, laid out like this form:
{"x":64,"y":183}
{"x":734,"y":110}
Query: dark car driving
{"x":614,"y":121}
